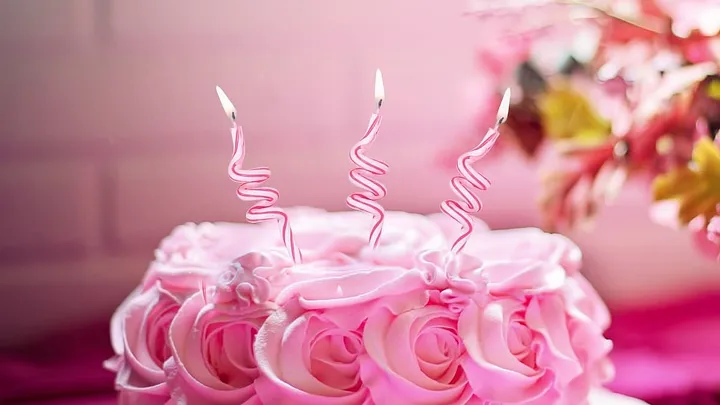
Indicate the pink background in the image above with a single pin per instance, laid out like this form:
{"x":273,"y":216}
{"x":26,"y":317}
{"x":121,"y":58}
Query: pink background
{"x":111,"y":134}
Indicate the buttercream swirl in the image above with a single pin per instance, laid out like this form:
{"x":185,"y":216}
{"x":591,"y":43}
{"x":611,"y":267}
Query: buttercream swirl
{"x":225,"y":317}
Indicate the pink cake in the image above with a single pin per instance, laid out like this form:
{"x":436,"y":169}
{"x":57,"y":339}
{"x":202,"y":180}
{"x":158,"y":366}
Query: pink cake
{"x":224,"y":317}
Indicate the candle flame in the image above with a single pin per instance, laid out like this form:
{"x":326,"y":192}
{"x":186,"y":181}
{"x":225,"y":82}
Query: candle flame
{"x":379,"y":88}
{"x":504,"y":110}
{"x":227,"y":105}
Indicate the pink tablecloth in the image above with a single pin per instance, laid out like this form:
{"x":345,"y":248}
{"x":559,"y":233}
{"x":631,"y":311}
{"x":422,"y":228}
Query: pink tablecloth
{"x":668,"y":351}
{"x":101,"y":399}
{"x":61,"y":370}
{"x":668,"y":355}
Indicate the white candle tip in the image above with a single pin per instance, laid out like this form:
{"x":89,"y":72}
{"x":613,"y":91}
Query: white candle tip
{"x":379,"y":88}
{"x":227,"y":105}
{"x":504,"y":110}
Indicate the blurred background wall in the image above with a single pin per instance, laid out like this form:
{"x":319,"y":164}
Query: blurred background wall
{"x":111,"y":134}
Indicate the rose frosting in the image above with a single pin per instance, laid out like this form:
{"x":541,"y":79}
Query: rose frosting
{"x":223,"y":316}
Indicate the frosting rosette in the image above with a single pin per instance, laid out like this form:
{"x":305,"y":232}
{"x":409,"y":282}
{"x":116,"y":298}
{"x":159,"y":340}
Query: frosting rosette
{"x":419,"y":354}
{"x":195,"y":253}
{"x":319,"y":356}
{"x":309,"y":357}
{"x":139,"y":337}
{"x":225,"y":317}
{"x":212,"y":337}
{"x":523,"y":350}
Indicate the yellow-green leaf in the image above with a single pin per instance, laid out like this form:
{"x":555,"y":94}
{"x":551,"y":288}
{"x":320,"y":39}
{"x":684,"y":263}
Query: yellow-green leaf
{"x":696,"y":186}
{"x":706,"y":156}
{"x":567,"y":114}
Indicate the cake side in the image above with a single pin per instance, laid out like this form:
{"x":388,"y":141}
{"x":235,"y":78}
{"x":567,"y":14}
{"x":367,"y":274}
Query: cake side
{"x":224,"y":316}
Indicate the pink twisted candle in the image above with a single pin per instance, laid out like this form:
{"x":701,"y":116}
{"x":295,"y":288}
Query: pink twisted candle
{"x":460,"y":211}
{"x":366,"y":200}
{"x":250,"y":185}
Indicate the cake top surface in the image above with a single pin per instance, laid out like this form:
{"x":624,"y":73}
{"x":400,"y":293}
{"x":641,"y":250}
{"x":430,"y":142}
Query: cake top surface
{"x":335,"y":245}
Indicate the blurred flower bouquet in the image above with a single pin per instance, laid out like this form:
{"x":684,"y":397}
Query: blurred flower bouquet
{"x":617,"y":88}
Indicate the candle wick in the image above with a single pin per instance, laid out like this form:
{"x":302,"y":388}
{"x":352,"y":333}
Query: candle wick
{"x":379,"y":103}
{"x":232,"y":116}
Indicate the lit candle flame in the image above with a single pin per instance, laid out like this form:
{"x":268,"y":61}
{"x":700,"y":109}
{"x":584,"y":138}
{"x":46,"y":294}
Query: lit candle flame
{"x":227,"y":105}
{"x":379,"y":88}
{"x":504,"y":109}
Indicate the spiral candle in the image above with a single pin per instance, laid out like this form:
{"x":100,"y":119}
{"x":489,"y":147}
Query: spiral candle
{"x":250,"y":185}
{"x":367,"y":200}
{"x":460,"y":210}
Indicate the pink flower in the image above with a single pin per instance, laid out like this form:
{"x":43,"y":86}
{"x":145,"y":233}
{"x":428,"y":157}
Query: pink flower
{"x":691,"y":15}
{"x":139,"y":335}
{"x":211,"y":341}
{"x":706,"y":242}
{"x":529,"y":17}
{"x":713,"y":229}
{"x":713,"y":233}
{"x":665,"y":213}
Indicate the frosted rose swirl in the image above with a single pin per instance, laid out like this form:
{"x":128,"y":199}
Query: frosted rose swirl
{"x":502,"y":324}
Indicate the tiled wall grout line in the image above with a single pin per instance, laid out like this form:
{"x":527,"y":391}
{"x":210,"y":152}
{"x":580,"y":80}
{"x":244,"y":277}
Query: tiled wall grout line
{"x":108,"y":198}
{"x":102,"y":23}
{"x":107,"y":166}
